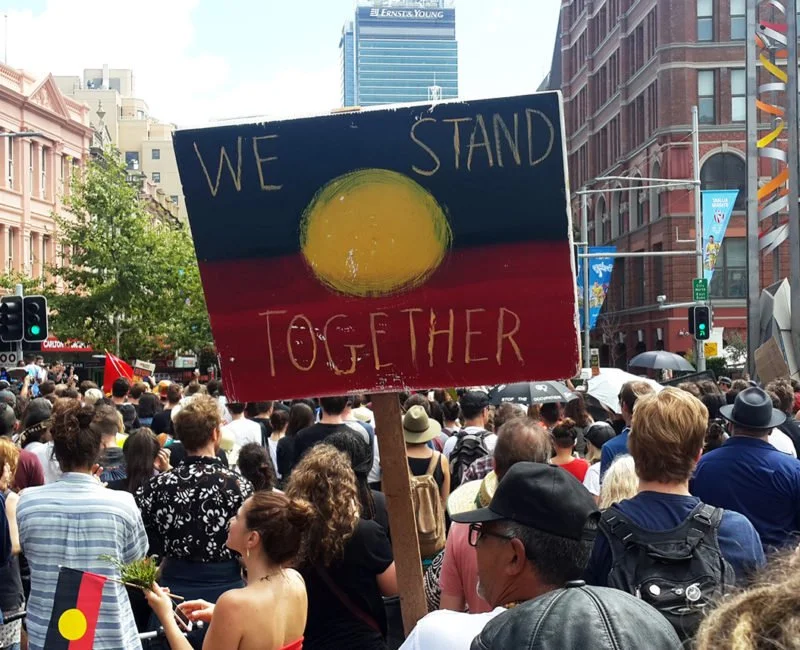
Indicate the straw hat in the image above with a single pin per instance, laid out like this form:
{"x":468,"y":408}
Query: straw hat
{"x":418,"y":427}
{"x":472,"y":495}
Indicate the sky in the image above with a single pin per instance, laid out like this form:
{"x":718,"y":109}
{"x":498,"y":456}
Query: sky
{"x":197,"y":61}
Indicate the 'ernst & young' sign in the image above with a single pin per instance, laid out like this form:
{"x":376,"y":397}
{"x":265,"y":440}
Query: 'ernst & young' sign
{"x":376,"y":12}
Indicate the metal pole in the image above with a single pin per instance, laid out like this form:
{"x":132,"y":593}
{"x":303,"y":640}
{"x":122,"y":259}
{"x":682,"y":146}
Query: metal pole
{"x":639,"y":254}
{"x":700,"y":357}
{"x":794,"y":169}
{"x":586,"y":292}
{"x":753,"y":254}
{"x":18,"y":291}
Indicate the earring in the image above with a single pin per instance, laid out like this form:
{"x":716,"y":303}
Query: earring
{"x":248,"y":553}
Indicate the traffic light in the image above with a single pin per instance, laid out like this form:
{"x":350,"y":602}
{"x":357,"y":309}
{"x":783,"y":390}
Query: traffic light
{"x":11,"y":319}
{"x":34,"y":318}
{"x":702,"y":323}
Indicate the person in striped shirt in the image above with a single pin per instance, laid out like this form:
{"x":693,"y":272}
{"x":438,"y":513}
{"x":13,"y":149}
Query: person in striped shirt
{"x":74,"y":521}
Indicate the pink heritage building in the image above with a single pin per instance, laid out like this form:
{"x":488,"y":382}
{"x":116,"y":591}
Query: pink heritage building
{"x":35,"y":171}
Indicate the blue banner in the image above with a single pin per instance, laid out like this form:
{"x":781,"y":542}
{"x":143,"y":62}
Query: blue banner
{"x":717,"y":209}
{"x":599,"y":280}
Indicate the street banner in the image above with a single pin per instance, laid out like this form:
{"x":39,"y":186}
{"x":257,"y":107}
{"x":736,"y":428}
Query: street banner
{"x":383,"y":249}
{"x":717,"y":209}
{"x":114,"y":369}
{"x":600,"y":269}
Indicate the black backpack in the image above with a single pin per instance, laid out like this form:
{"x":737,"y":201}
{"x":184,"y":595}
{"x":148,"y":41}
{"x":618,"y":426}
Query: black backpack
{"x":469,"y":448}
{"x":681,"y":572}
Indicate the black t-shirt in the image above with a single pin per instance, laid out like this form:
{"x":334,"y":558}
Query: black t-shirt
{"x":162,"y":422}
{"x":266,"y":430}
{"x":285,"y":456}
{"x":381,"y":512}
{"x":792,"y":429}
{"x":310,"y":436}
{"x":330,"y":624}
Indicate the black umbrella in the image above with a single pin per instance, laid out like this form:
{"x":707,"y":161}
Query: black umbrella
{"x":661,"y":360}
{"x":534,"y":392}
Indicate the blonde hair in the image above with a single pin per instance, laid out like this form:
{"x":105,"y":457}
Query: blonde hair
{"x":767,"y":615}
{"x":667,"y":435}
{"x":325,"y":478}
{"x":620,"y":482}
{"x":92,"y":396}
{"x":9,"y":453}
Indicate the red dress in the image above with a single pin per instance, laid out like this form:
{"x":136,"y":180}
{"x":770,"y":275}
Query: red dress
{"x":297,"y":645}
{"x":577,"y":467}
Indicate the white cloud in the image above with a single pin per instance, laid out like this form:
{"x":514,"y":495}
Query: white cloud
{"x":156,"y":39}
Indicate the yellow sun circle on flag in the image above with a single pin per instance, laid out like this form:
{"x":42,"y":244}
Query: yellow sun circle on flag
{"x":374,"y":232}
{"x":72,"y":624}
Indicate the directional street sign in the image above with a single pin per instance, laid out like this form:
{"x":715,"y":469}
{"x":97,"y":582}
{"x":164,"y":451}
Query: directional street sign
{"x":700,"y":290}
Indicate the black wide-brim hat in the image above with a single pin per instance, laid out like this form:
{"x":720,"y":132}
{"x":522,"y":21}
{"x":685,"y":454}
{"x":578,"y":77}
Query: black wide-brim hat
{"x":753,"y":410}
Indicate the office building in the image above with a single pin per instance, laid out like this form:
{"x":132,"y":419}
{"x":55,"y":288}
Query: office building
{"x":630,"y":72}
{"x":145,"y":142}
{"x":399,"y":51}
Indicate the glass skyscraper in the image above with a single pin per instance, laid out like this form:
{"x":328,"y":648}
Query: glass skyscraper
{"x":399,"y":51}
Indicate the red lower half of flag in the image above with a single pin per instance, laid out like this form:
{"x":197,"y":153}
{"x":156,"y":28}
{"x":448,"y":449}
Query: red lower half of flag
{"x":76,"y":606}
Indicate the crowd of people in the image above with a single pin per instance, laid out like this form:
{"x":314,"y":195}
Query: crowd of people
{"x":670,"y":520}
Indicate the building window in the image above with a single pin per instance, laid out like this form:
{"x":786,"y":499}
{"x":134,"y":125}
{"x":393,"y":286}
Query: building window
{"x":730,"y":271}
{"x":156,"y":153}
{"x":738,"y":22}
{"x":30,"y":168}
{"x":725,"y":171}
{"x":738,"y":95}
{"x":599,"y":215}
{"x":10,"y":259}
{"x":616,"y":214}
{"x":10,"y":158}
{"x":705,"y":96}
{"x":45,"y":259}
{"x":655,"y":193}
{"x":174,"y":198}
{"x":43,"y":180}
{"x":132,"y":160}
{"x":156,"y":177}
{"x":705,"y":20}
{"x":639,"y":281}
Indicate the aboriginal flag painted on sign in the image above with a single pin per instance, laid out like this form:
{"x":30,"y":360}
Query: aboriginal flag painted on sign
{"x":408,"y":246}
{"x":76,"y":607}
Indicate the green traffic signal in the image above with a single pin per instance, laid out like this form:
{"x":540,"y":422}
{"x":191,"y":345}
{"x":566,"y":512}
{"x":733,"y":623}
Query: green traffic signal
{"x":35,"y":330}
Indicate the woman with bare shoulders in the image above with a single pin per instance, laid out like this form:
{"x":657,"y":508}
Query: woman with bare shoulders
{"x":270,"y":612}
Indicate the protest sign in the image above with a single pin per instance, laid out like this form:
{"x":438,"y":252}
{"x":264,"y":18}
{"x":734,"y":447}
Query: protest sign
{"x":410,"y":246}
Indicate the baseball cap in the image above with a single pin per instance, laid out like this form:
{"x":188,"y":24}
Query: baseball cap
{"x":599,"y":433}
{"x":544,"y":497}
{"x":569,"y":618}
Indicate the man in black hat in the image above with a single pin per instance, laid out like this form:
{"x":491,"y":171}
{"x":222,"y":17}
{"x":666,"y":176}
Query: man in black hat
{"x":535,"y":535}
{"x":749,"y":475}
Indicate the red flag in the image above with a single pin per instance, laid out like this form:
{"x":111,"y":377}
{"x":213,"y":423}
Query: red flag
{"x":115,"y":368}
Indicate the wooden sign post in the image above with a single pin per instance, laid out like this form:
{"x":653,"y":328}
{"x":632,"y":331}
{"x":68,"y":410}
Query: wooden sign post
{"x":396,"y":487}
{"x":402,"y":247}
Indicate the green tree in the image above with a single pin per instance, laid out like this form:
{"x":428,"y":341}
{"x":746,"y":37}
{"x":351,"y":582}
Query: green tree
{"x":130,"y":281}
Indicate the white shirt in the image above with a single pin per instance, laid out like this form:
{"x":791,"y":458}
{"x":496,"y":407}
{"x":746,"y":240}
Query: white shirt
{"x":50,"y":466}
{"x":490,"y":441}
{"x":782,"y":442}
{"x":448,"y":630}
{"x":273,"y":454}
{"x":592,"y":479}
{"x":243,"y":431}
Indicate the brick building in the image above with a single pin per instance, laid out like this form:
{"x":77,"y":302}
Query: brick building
{"x":630,"y":71}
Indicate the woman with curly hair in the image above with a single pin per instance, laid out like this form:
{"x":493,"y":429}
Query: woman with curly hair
{"x":72,"y":523}
{"x":346,"y":560}
{"x":270,"y":612}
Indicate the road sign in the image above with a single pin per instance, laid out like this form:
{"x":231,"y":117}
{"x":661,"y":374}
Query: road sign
{"x":380,"y":250}
{"x":700,"y":290}
{"x":711,"y":349}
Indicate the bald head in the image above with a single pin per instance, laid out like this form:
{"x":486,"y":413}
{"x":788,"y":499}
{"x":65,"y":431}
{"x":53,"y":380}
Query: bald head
{"x":519,"y":440}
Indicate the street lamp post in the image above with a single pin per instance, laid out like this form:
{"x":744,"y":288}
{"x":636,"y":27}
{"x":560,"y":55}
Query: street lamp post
{"x":21,"y":134}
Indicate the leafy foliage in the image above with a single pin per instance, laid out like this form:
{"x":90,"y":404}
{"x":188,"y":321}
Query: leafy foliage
{"x":142,"y":573}
{"x":131,"y":281}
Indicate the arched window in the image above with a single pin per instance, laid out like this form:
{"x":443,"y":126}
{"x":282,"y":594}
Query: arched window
{"x":725,"y":171}
{"x":615,"y":214}
{"x":656,"y":194}
{"x":637,"y":201}
{"x":599,"y":226}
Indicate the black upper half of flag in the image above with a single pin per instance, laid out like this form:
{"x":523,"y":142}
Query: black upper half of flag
{"x":495,"y":166}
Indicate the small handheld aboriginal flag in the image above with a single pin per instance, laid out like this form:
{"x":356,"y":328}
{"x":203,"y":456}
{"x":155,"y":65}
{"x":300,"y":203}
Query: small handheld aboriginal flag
{"x":75,"y":609}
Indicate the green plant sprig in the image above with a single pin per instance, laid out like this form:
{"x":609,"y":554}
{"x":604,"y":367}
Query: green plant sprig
{"x":142,"y":573}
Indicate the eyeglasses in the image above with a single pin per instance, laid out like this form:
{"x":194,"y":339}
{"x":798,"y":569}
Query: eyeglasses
{"x":476,"y":532}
